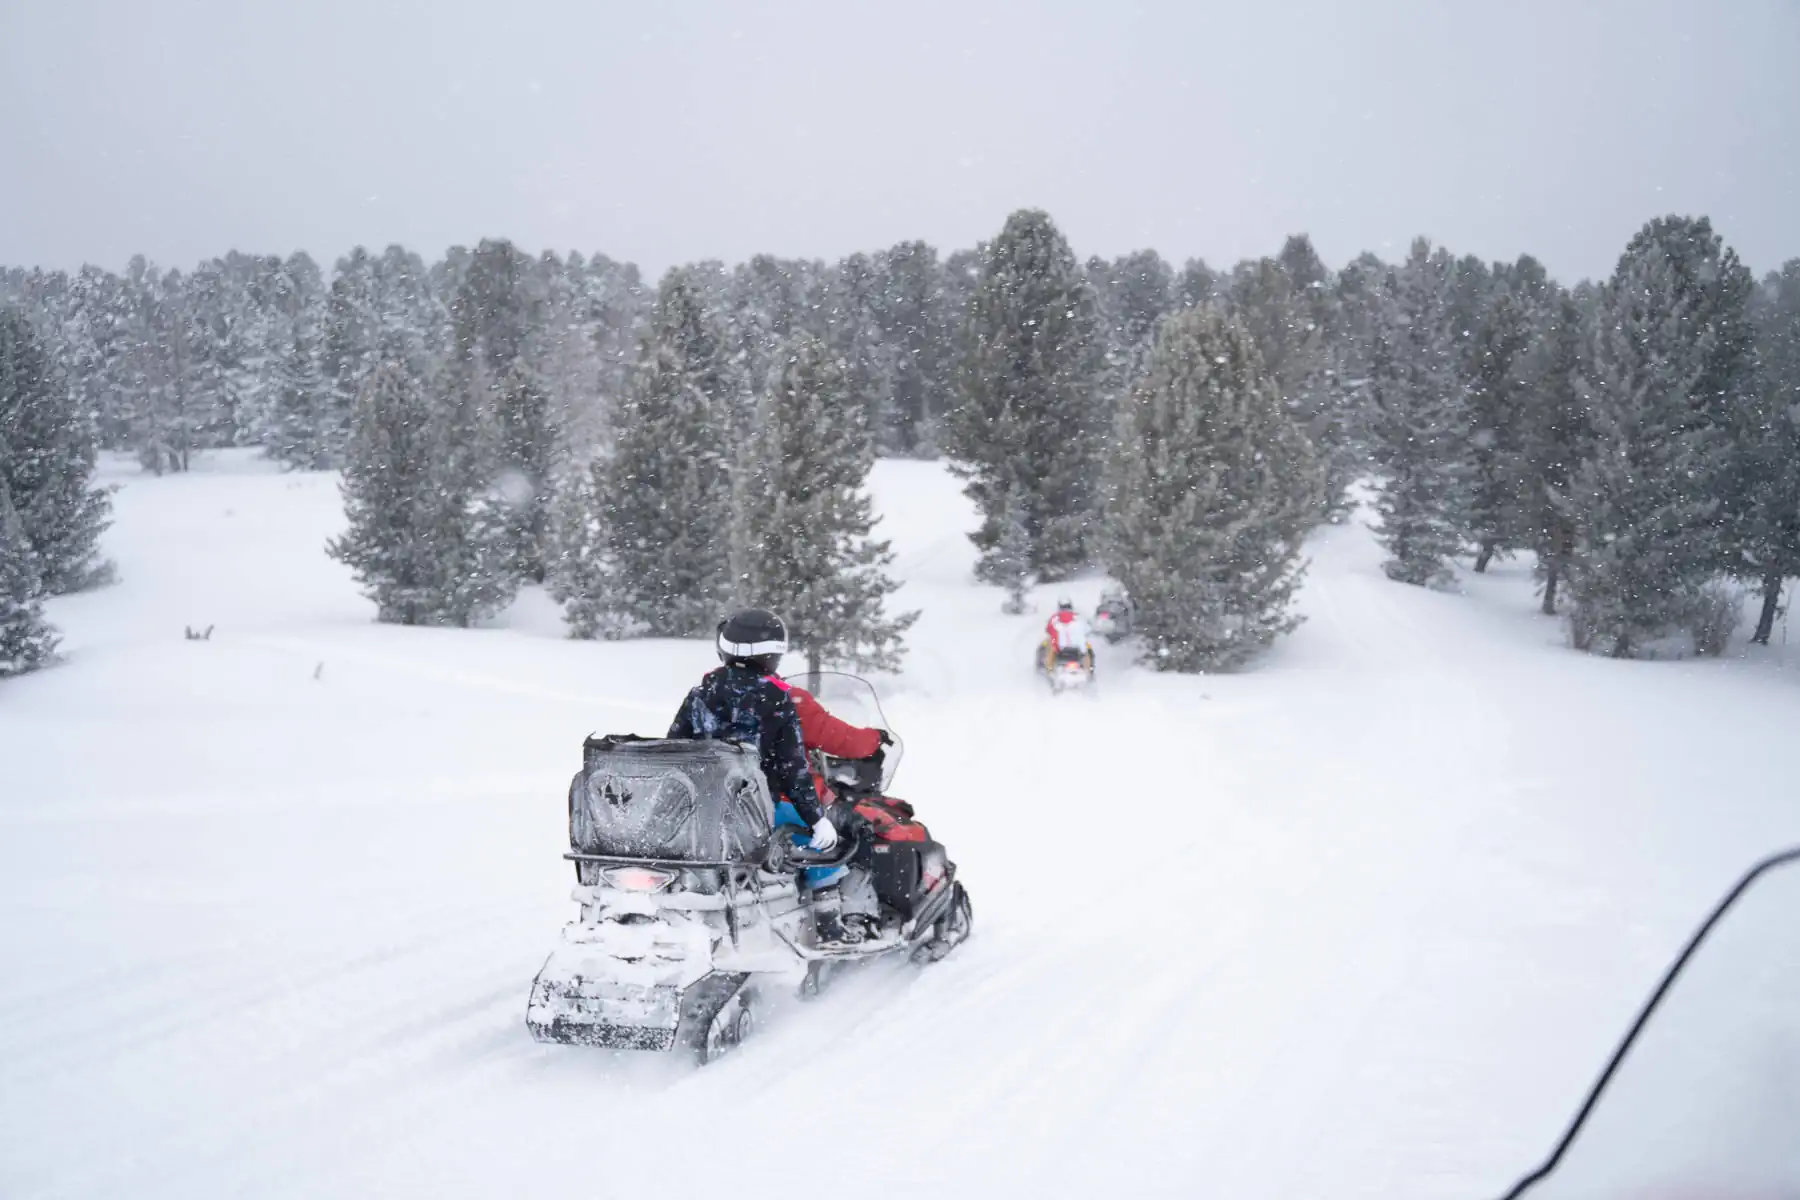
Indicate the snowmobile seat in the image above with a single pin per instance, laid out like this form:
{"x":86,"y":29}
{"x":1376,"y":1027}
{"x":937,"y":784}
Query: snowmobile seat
{"x":668,"y":800}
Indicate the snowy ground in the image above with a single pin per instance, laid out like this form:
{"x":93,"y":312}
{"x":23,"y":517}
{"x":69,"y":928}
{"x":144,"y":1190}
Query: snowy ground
{"x":1360,"y":922}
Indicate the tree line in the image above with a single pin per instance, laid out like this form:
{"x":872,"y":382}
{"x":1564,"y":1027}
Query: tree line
{"x":655,"y":454}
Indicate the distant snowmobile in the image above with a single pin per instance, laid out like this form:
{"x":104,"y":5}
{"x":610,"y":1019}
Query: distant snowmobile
{"x":1065,"y":657}
{"x":1112,"y":619}
{"x":690,"y":903}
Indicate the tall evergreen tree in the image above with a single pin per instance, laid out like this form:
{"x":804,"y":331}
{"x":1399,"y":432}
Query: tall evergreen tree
{"x":667,"y":499}
{"x":349,"y":349}
{"x":165,"y":418}
{"x":47,"y":455}
{"x":1289,"y":309}
{"x":480,"y":531}
{"x":852,"y":329}
{"x":303,"y":427}
{"x":1557,"y":439}
{"x":93,"y":351}
{"x":1497,"y":414}
{"x":808,"y":518}
{"x":1417,"y":420}
{"x":1132,"y":293}
{"x":916,"y":325}
{"x":580,"y":574}
{"x":1214,"y":486}
{"x":1668,"y":364}
{"x":494,"y":318}
{"x":1769,"y":448}
{"x":395,"y":543}
{"x":1196,"y":285}
{"x":417,"y":541}
{"x":769,"y":299}
{"x":1029,"y":390}
{"x":27,"y":641}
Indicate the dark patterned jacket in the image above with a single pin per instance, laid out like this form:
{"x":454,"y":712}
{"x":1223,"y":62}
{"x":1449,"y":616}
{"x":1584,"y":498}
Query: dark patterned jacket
{"x":739,"y":704}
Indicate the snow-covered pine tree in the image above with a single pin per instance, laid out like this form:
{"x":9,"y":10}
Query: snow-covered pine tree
{"x":851,"y":327}
{"x":768,"y":299}
{"x":579,"y":574}
{"x":48,"y":447}
{"x":494,"y":318}
{"x":260,"y":335}
{"x":1132,"y":293}
{"x":1497,"y":416}
{"x":414,"y":322}
{"x":164,"y":420}
{"x":917,"y":329}
{"x":528,"y":457}
{"x":208,"y":304}
{"x":27,"y":641}
{"x":621,"y":307}
{"x":1417,"y":420}
{"x":1654,"y":505}
{"x":92,"y":351}
{"x":302,"y":429}
{"x":1196,"y":285}
{"x":667,"y":498}
{"x":479,"y":536}
{"x":1556,"y":439}
{"x":807,"y":517}
{"x":395,"y":543}
{"x":1029,"y":393}
{"x":567,"y":359}
{"x":349,"y":350}
{"x":1290,"y":311}
{"x":1769,"y":450}
{"x":961,"y":276}
{"x":299,"y":426}
{"x":1213,"y":486}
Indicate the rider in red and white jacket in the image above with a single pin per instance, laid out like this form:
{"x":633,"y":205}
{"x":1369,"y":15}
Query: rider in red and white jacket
{"x":1067,"y":630}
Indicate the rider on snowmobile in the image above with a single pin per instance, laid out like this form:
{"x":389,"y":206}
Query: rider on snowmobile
{"x":745,"y":700}
{"x":1066,"y":630}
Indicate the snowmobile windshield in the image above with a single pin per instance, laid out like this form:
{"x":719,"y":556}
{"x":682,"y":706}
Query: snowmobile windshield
{"x":852,"y":698}
{"x":1706,"y":1100}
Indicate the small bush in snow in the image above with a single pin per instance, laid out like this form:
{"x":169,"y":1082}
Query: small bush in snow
{"x":1717,"y":609}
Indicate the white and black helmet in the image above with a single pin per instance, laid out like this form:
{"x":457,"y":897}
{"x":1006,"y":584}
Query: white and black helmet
{"x":753,"y":637}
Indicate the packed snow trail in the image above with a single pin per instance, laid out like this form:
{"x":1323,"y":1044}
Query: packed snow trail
{"x":1358,"y":922}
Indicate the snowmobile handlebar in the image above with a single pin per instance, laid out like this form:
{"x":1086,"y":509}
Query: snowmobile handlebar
{"x":786,"y":855}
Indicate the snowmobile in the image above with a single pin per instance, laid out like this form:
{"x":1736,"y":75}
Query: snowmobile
{"x":1112,"y":619}
{"x":1070,"y":670}
{"x":692,"y":903}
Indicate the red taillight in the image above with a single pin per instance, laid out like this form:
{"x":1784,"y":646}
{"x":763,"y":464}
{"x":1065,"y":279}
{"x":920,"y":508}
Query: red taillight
{"x":638,"y":879}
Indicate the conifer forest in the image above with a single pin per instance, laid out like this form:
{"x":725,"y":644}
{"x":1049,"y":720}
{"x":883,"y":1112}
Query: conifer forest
{"x":655,"y":450}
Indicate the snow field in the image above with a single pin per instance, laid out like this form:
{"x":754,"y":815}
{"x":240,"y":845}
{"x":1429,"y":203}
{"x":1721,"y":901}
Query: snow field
{"x":1359,"y":922}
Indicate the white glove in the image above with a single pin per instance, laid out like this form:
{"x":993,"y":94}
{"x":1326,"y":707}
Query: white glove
{"x":824,"y":836}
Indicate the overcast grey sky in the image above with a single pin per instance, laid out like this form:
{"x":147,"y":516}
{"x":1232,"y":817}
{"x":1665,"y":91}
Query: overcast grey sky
{"x":664,"y":132}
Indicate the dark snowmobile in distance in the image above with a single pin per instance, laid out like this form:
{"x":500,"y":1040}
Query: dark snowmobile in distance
{"x":692,"y":902}
{"x":1112,"y":619}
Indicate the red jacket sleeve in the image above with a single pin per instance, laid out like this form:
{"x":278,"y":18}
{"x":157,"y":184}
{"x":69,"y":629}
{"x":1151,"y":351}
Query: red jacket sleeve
{"x":822,"y":731}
